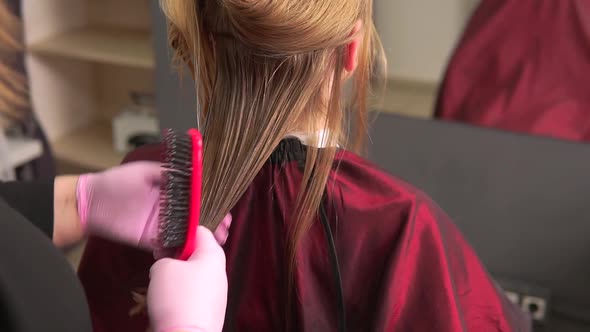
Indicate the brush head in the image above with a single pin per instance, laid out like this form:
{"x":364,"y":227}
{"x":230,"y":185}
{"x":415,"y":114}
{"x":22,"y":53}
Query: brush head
{"x":176,"y":190}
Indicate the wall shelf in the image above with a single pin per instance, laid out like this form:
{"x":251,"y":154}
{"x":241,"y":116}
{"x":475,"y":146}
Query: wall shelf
{"x":117,"y":46}
{"x":84,"y":57}
{"x":90,"y":147}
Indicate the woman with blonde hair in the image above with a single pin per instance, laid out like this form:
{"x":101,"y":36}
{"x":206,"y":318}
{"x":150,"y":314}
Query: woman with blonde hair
{"x":321,"y":240}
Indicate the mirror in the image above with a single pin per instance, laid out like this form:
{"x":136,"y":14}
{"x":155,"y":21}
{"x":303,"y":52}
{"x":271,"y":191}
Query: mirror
{"x":519,"y":66}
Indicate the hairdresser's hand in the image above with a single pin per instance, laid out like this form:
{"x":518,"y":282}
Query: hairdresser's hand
{"x":189,"y":295}
{"x":221,"y":234}
{"x":122,"y":203}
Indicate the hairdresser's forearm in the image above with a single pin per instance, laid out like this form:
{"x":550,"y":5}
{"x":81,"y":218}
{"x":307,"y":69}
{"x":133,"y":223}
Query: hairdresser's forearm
{"x":49,"y":205}
{"x":114,"y":204}
{"x":67,"y":229}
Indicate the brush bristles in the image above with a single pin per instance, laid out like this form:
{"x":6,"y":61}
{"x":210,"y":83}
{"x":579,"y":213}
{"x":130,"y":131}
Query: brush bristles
{"x":175,"y":191}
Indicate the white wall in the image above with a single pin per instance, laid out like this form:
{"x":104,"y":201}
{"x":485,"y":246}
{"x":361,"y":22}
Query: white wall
{"x":419,"y":35}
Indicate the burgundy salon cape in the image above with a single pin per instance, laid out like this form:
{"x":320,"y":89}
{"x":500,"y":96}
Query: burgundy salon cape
{"x":523,"y":66}
{"x":404,"y":265}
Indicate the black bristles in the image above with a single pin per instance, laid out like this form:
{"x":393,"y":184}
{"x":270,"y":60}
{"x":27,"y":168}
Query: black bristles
{"x":175,"y":190}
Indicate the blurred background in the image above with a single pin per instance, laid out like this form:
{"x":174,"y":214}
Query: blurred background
{"x":94,"y":67}
{"x":82,"y":82}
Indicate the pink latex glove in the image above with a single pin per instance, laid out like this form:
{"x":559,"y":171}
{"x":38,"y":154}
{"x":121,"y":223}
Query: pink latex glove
{"x":189,"y":295}
{"x":123,"y":204}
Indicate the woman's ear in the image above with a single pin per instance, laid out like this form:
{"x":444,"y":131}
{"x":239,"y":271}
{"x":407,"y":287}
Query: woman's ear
{"x":352,"y":49}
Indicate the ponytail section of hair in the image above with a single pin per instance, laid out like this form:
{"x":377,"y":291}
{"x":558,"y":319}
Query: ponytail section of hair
{"x":264,"y":68}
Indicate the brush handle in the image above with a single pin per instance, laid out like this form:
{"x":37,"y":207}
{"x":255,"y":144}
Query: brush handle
{"x":195,"y":195}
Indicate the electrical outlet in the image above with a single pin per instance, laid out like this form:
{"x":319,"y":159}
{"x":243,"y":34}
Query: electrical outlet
{"x":535,"y":306}
{"x":532,"y":299}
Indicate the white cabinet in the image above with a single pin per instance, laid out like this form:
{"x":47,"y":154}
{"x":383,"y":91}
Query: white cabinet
{"x":83,"y":58}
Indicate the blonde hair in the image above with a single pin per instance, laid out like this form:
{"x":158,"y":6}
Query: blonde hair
{"x":263,"y":68}
{"x":14,"y":87}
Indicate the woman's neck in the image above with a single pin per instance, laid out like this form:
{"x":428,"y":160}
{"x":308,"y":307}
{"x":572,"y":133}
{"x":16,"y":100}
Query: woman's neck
{"x":318,"y":139}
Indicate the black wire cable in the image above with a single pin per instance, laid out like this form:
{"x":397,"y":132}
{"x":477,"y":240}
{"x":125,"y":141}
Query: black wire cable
{"x":335,"y":268}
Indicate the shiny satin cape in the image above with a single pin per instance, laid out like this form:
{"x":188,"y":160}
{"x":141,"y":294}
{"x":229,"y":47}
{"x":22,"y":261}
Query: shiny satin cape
{"x":404,"y":266}
{"x":523,"y":66}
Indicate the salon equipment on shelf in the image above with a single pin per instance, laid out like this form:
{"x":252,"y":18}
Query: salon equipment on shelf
{"x":136,"y":124}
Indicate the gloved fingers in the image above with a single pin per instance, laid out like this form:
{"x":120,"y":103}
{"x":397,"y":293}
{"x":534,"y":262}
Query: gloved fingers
{"x":222,"y":232}
{"x":152,"y":171}
{"x":220,"y":235}
{"x":162,"y":264}
{"x":207,"y":246}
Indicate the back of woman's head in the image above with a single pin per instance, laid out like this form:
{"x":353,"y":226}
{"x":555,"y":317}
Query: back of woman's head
{"x":264,"y":68}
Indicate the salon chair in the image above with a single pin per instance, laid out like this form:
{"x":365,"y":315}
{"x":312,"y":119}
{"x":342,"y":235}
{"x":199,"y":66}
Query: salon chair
{"x":522,"y":202}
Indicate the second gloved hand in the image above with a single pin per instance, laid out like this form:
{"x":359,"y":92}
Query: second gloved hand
{"x":190,"y":296}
